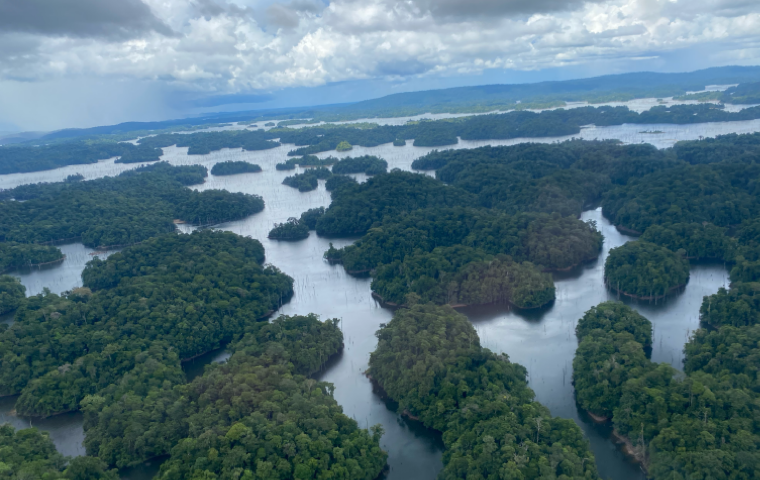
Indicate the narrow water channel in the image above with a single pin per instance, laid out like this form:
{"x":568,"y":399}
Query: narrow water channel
{"x":544,"y":340}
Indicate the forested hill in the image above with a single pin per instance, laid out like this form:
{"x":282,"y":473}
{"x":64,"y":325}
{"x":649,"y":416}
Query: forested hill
{"x":596,"y":89}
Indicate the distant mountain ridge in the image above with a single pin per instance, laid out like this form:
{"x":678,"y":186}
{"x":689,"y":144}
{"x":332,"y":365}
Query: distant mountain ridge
{"x":473,"y":99}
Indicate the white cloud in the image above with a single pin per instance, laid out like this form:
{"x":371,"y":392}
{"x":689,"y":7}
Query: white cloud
{"x":219,"y":47}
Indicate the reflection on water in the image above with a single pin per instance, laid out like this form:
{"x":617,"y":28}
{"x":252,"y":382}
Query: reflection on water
{"x":65,"y":429}
{"x":542,"y":340}
{"x":60,"y":277}
{"x":195,"y":367}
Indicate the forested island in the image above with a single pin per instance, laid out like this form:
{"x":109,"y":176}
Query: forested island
{"x":233,"y":168}
{"x":308,"y":180}
{"x":15,"y":255}
{"x":368,"y":164}
{"x":645,"y":271}
{"x":114,"y":349}
{"x":122,"y":210}
{"x":107,"y":327}
{"x":676,"y":426}
{"x":429,"y":360}
{"x":463,"y":256}
{"x":293,"y":229}
{"x":29,"y":453}
{"x":323,"y":138}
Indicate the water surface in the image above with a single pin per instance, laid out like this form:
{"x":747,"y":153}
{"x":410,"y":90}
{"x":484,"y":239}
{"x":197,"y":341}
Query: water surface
{"x":543,"y":340}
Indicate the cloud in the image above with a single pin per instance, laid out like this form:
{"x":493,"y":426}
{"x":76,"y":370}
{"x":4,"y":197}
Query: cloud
{"x":455,"y":10}
{"x":110,"y":19}
{"x":288,"y":15}
{"x":225,"y":47}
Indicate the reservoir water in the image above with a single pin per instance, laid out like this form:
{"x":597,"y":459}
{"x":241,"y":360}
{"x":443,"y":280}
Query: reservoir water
{"x":543,"y":341}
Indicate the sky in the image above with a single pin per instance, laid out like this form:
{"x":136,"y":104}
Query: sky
{"x":79,"y":63}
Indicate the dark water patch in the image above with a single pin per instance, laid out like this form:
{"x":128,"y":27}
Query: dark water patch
{"x":65,"y":429}
{"x":196,"y":366}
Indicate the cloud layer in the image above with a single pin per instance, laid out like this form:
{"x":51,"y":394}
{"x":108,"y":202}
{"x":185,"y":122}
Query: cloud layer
{"x":223,"y":47}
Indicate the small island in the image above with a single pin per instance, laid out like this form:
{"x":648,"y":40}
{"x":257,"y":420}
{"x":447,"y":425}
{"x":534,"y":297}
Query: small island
{"x":602,"y":333}
{"x":369,"y":164}
{"x":399,"y":142}
{"x":233,"y":168}
{"x":293,"y":229}
{"x":307,"y":181}
{"x":269,"y":124}
{"x":14,"y":255}
{"x":645,"y":271}
{"x":344,"y":146}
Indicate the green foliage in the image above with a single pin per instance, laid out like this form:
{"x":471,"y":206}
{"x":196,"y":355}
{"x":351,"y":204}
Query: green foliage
{"x":721,"y":194}
{"x":150,"y":305}
{"x":311,"y":216}
{"x":698,"y":426}
{"x":122,"y":210}
{"x":28,"y":158}
{"x":613,"y":338}
{"x":293,"y":229}
{"x":308,"y":180}
{"x":463,"y":276}
{"x":259,"y":401}
{"x":733,"y":148}
{"x":644,"y":270}
{"x":368,"y":164}
{"x":12,"y":293}
{"x":562,"y":178}
{"x":554,"y":242}
{"x":430,"y":361}
{"x":18,"y":255}
{"x":742,"y":94}
{"x":738,"y":307}
{"x":336,"y":181}
{"x":306,"y":161}
{"x":747,"y":252}
{"x":30,"y":454}
{"x":731,"y":354}
{"x":693,"y":240}
{"x":356,"y":208}
{"x":202,"y":143}
{"x":399,"y":142}
{"x":232,"y":168}
{"x":343,"y":146}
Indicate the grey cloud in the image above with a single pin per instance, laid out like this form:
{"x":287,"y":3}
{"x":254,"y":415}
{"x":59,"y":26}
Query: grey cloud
{"x":282,"y":16}
{"x":116,"y":19}
{"x":286,"y":15}
{"x":211,"y":8}
{"x":458,"y":9}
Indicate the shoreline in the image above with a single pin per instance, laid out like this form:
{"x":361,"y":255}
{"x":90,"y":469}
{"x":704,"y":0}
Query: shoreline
{"x":649,"y":298}
{"x":462,"y":305}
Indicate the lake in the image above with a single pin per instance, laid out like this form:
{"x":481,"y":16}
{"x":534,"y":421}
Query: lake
{"x":542,"y":340}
